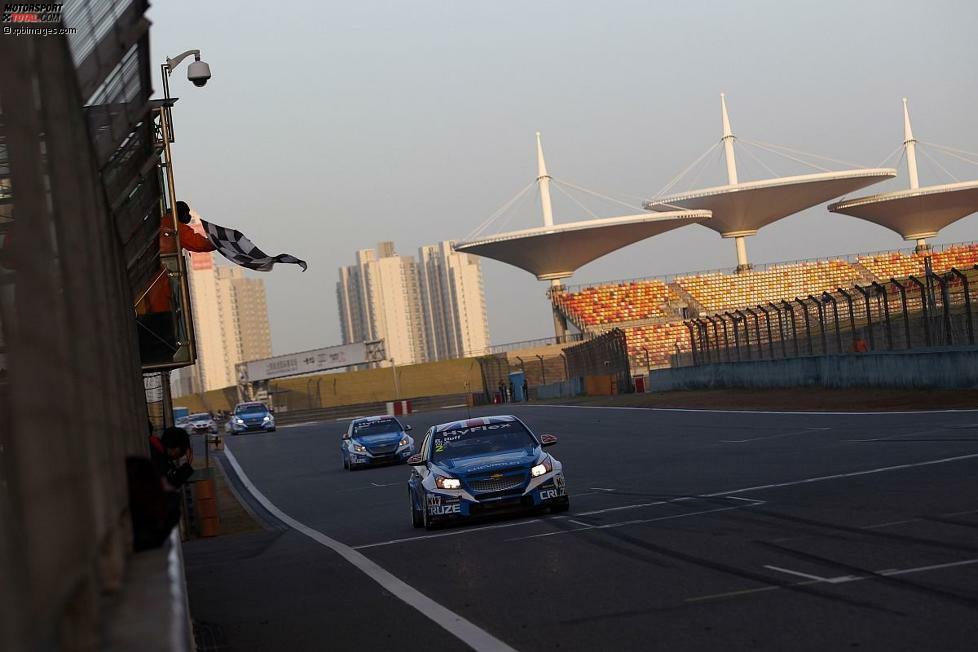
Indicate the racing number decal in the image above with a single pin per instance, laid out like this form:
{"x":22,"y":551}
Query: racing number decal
{"x":436,"y":508}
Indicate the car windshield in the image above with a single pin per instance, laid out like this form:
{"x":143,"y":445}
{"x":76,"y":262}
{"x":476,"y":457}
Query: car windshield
{"x":480,"y":440}
{"x":248,"y":410}
{"x":199,"y":417}
{"x":376,"y":427}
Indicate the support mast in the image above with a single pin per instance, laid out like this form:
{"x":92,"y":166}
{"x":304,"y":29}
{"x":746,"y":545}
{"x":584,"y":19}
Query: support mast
{"x":543,"y":179}
{"x":728,"y":154}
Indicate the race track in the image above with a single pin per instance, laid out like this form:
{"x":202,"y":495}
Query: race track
{"x":687,"y":530}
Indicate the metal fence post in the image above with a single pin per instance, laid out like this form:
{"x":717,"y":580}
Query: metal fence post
{"x":881,"y":292}
{"x":770,"y":333}
{"x":757,"y":332}
{"x":739,"y":314}
{"x":794,"y":326}
{"x":736,"y":332}
{"x":869,"y":315}
{"x":692,"y":340}
{"x":835,"y":314}
{"x":945,"y":301}
{"x":781,"y":333}
{"x":726,"y":337}
{"x":923,"y":307}
{"x":808,"y":325}
{"x":820,"y":310}
{"x":716,"y":337}
{"x":852,"y":313}
{"x":967,"y":304}
{"x":901,"y":288}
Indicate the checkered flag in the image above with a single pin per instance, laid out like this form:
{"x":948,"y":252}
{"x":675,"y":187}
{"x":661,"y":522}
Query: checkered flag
{"x":234,"y":246}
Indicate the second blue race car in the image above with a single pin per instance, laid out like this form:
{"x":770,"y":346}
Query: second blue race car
{"x":483,"y":466}
{"x":376,"y":440}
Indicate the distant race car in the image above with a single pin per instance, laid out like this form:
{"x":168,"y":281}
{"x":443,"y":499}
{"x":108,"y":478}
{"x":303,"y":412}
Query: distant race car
{"x":483,"y":466}
{"x":375,"y":440}
{"x":248,"y":417}
{"x":201,"y":422}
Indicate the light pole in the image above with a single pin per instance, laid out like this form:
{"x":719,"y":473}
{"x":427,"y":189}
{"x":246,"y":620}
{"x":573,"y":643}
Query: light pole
{"x":397,"y":390}
{"x":198,"y":73}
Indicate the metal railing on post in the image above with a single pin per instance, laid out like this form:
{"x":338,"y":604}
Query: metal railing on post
{"x":808,"y":325}
{"x":692,"y":341}
{"x":923,"y":307}
{"x":770,"y":333}
{"x":835,"y":315}
{"x":969,"y":322}
{"x":902,"y":289}
{"x":794,"y":325}
{"x":726,"y":337}
{"x":757,"y":332}
{"x":869,"y":315}
{"x":716,"y":337}
{"x":820,"y":310}
{"x":781,"y":333}
{"x":736,"y":332}
{"x":946,"y":307}
{"x":739,"y":315}
{"x":852,"y":312}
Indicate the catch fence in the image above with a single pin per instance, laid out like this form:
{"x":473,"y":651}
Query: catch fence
{"x":932,"y":310}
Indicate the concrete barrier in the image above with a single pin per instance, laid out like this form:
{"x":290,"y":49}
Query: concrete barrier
{"x":938,"y":368}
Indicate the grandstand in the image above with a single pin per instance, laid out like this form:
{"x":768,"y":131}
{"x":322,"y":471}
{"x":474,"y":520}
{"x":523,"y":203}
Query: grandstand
{"x":651,"y":311}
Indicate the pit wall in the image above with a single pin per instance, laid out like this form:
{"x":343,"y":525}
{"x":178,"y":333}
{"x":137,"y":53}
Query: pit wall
{"x":461,"y":376}
{"x":946,"y":368}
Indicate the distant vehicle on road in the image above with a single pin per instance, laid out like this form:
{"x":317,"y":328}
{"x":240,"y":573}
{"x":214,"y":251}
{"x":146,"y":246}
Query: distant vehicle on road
{"x":183,"y":422}
{"x":200,"y":423}
{"x":251,"y":417}
{"x":370,"y":441}
{"x":483,"y":466}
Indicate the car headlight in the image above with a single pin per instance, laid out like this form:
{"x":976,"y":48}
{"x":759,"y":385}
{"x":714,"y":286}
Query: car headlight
{"x":546,"y":466}
{"x":404,"y":441}
{"x":359,"y":448}
{"x":239,"y":421}
{"x":267,"y":418}
{"x":447,"y":483}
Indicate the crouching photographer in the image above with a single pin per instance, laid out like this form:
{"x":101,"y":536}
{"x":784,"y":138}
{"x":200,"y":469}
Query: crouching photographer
{"x":172,"y":456}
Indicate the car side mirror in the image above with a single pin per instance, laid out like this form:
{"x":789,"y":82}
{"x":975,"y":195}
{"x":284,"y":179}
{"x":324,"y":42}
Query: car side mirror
{"x":408,"y":428}
{"x":415,"y":460}
{"x":548,"y":440}
{"x":346,"y":435}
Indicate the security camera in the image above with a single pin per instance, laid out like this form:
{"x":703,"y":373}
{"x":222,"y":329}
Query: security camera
{"x":198,"y":72}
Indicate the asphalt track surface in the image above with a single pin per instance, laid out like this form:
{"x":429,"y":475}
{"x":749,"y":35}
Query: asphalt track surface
{"x":688,"y":530}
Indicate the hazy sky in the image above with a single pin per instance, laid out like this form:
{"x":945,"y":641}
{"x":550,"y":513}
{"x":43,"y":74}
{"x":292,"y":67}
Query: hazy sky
{"x":330,"y":126}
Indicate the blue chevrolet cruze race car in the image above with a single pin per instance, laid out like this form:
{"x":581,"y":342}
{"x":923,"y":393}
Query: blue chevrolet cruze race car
{"x":377,"y":440}
{"x":483,"y":466}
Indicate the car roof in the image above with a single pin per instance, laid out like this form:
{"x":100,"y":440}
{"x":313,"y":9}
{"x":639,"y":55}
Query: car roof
{"x":251,"y":404}
{"x":197,"y":415}
{"x":477,"y":421}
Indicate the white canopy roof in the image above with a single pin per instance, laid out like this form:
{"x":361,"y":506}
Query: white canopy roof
{"x":915,"y":213}
{"x":743,"y":208}
{"x":557,"y":251}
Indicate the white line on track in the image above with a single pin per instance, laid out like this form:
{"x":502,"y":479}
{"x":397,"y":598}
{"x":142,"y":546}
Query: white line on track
{"x":830,"y":580}
{"x":778,"y":436}
{"x":640,"y":521}
{"x":762,"y":487}
{"x":459,"y":627}
{"x":890,"y":572}
{"x":455,"y":533}
{"x":815,"y":412}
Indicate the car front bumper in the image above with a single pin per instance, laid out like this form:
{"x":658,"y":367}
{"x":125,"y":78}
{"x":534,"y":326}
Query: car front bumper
{"x":456,"y":504}
{"x":370,"y":459}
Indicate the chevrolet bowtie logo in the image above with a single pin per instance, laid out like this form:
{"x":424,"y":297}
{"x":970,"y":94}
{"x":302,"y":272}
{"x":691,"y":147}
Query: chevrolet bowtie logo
{"x":496,"y":476}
